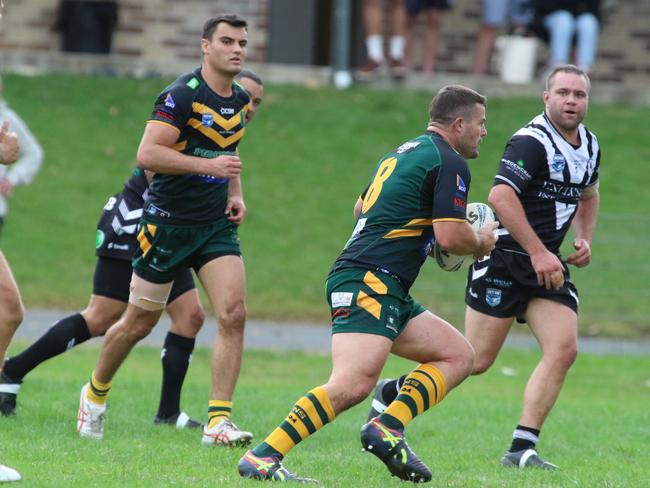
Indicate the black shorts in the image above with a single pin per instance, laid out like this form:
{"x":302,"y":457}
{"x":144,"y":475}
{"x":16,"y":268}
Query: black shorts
{"x":503,"y":284}
{"x":118,"y":226}
{"x":113,"y":277}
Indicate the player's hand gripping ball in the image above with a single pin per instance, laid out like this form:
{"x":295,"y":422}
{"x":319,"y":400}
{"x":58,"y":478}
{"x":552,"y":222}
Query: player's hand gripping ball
{"x":478,"y":216}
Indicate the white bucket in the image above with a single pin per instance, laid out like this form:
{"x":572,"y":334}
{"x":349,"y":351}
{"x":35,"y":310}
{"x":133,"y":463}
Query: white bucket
{"x":517,"y":58}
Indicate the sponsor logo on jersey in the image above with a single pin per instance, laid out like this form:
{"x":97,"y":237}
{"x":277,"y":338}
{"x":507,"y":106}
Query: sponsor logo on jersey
{"x":169,"y":101}
{"x":341,"y":299}
{"x":207,"y":179}
{"x":227,"y":111}
{"x":390,"y":322}
{"x":193,"y":83}
{"x":558,"y":190}
{"x":406,"y":147}
{"x":164,"y":115}
{"x":558,"y":163}
{"x":460,"y":203}
{"x":207,"y":120}
{"x":158,"y":212}
{"x":119,"y":247}
{"x":341,"y":312}
{"x":209,"y":153}
{"x":493,"y":297}
{"x":517,"y":168}
{"x":460,"y":184}
{"x":99,"y":239}
{"x":499,"y":282}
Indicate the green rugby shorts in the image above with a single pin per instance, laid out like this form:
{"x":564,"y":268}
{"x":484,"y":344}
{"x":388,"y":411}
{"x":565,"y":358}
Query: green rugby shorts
{"x":370,"y":302}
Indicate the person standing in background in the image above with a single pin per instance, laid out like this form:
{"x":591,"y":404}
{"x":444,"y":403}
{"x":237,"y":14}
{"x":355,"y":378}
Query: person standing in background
{"x":433,"y":11}
{"x":567,"y":24}
{"x":497,"y":14}
{"x":29,"y":160}
{"x":373,"y":24}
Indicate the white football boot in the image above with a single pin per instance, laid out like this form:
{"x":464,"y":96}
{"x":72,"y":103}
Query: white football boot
{"x":225,"y":433}
{"x":7,"y":474}
{"x":90,"y":418}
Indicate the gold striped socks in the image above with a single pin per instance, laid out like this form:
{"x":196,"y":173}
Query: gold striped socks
{"x":217,"y":411}
{"x":97,"y":391}
{"x":307,"y":416}
{"x":423,"y":388}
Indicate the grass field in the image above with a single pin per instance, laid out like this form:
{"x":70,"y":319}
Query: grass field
{"x":598,"y":432}
{"x":307,"y":156}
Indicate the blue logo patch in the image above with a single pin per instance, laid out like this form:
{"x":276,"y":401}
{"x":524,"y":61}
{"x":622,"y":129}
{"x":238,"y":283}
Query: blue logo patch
{"x":558,"y":163}
{"x":460,"y":184}
{"x":207,"y":120}
{"x":169,"y":101}
{"x":493,"y":297}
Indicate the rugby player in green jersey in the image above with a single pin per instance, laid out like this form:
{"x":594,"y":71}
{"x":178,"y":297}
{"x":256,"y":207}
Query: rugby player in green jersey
{"x":190,"y":219}
{"x":416,"y":197}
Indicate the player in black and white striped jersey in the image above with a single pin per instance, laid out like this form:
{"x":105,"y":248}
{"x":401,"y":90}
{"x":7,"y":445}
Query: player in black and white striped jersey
{"x":547,"y":181}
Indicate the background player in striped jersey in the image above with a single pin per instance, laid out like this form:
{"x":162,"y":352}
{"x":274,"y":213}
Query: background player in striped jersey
{"x":419,"y":190}
{"x":546,"y":182}
{"x":116,"y":244}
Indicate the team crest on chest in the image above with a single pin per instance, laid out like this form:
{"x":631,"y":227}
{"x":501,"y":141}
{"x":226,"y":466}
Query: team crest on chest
{"x":207,"y":120}
{"x":558,"y":163}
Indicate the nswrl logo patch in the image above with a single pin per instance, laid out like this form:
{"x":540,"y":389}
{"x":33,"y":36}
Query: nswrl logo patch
{"x":493,"y":296}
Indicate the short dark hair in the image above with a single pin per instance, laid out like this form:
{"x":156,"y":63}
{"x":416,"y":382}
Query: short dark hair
{"x":566,"y":68}
{"x":230,"y":19}
{"x":246,"y":73}
{"x":453,"y":101}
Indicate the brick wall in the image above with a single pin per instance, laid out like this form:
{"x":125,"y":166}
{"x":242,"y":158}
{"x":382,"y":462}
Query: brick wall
{"x":160,"y":31}
{"x":624,"y":47}
{"x":157,"y":30}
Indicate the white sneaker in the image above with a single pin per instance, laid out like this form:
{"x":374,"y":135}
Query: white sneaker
{"x":225,"y":433}
{"x":90,"y":418}
{"x":7,"y":474}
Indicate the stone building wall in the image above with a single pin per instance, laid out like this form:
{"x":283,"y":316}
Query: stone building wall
{"x":168,"y":31}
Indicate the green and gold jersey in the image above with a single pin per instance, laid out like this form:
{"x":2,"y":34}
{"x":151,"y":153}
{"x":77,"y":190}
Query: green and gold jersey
{"x":422,"y":181}
{"x":209,"y":125}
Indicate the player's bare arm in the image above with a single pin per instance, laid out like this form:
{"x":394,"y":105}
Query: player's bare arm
{"x":584,"y":224}
{"x":506,"y":204}
{"x":156,"y":153}
{"x":9,"y":147}
{"x":459,"y":238}
{"x":235,"y":208}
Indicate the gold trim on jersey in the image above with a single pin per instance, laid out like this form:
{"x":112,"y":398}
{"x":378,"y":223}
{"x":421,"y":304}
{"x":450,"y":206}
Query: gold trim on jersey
{"x":403,"y":233}
{"x":415,"y":222}
{"x":214,"y":135}
{"x":219,"y":119}
{"x":163,"y":123}
{"x":450,"y":219}
{"x":179,"y":146}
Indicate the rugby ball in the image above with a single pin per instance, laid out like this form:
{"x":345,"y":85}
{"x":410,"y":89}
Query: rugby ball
{"x":478,"y":216}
